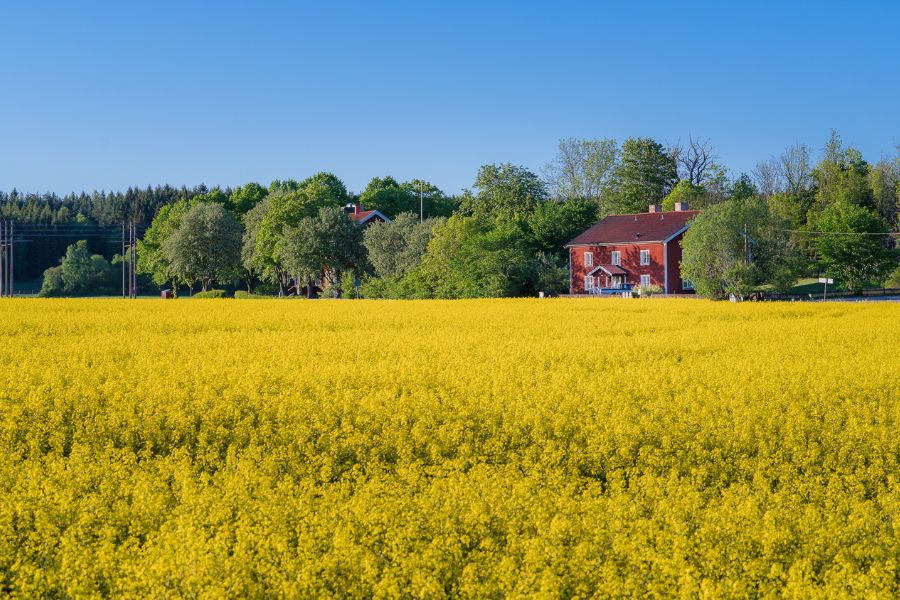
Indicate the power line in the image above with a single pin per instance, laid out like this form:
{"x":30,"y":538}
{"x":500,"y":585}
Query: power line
{"x":838,"y":232}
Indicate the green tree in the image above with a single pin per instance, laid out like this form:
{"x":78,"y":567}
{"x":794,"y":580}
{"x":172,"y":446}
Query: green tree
{"x":743,"y":187}
{"x":254,"y":265}
{"x":842,"y":176}
{"x":721,"y":259}
{"x":396,"y":248}
{"x":582,"y":168}
{"x":79,"y":273}
{"x":215,"y":195}
{"x":435,"y":202}
{"x":326,"y":245}
{"x":391,"y":198}
{"x":244,"y":198}
{"x":206,"y":245}
{"x":471,"y":257}
{"x":686,"y":192}
{"x":853,"y":248}
{"x":286,"y":204}
{"x":152,"y":259}
{"x":884,"y":179}
{"x":504,"y":192}
{"x":552,"y":224}
{"x":645,"y":174}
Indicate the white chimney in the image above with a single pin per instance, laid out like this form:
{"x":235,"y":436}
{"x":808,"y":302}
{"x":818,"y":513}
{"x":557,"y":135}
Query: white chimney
{"x":681,"y":206}
{"x":655,"y":208}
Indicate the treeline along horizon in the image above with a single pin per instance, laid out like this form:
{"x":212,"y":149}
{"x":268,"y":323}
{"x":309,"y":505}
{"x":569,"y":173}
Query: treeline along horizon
{"x":512,"y":207}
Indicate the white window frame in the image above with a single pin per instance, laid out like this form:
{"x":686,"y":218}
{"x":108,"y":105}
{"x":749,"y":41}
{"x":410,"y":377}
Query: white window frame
{"x":687,"y":284}
{"x":589,"y":259}
{"x":645,"y":257}
{"x":615,"y":257}
{"x":588,"y":283}
{"x":645,"y":280}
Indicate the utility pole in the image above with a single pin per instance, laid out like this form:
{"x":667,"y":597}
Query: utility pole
{"x":12,"y":263}
{"x":2,"y":258}
{"x":421,"y":203}
{"x":133,"y":255}
{"x":123,"y":260}
{"x":746,"y":247}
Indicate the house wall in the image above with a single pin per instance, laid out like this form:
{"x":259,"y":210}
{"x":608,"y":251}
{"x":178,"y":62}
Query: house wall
{"x":631,"y":262}
{"x":675,"y":253}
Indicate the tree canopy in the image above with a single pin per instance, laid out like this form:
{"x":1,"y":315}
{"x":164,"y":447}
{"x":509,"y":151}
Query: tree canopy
{"x":205,"y":246}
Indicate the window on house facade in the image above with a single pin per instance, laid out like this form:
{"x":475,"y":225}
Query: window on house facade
{"x":645,"y":280}
{"x":687,"y":284}
{"x":589,"y":259}
{"x":645,"y":257}
{"x":588,"y":282}
{"x":616,"y":257}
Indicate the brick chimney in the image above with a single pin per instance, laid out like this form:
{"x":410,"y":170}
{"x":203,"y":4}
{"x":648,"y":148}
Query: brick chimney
{"x":655,"y":208}
{"x":681,"y":206}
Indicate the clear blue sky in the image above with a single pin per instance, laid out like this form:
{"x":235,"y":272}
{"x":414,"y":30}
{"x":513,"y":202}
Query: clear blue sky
{"x":103,"y":95}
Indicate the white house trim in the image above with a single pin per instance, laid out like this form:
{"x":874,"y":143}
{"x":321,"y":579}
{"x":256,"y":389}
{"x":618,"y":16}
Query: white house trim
{"x":676,"y":234}
{"x":371,"y":214}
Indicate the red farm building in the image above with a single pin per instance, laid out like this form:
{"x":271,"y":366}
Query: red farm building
{"x":364,"y":217}
{"x":625,"y":251}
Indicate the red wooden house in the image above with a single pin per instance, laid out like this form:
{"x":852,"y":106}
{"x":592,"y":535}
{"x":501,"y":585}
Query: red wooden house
{"x":364,"y":217}
{"x":623,"y":251}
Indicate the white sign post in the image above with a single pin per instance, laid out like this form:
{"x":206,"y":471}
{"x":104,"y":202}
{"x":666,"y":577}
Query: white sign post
{"x":826,"y":281}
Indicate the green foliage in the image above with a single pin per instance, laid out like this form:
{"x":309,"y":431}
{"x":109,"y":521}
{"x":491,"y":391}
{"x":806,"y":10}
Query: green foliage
{"x":245,"y":295}
{"x":853,"y":259}
{"x":470,"y":257}
{"x":582,"y":168}
{"x":893,"y":280}
{"x":245,"y":197}
{"x":152,"y":259}
{"x":325,"y":245}
{"x":211,"y":294}
{"x":742,"y":188}
{"x":552,"y":224}
{"x":645,"y":175}
{"x":391,"y":198}
{"x":884,"y":178}
{"x":842,"y":177}
{"x":205,"y":246}
{"x":347,"y":285}
{"x":285,"y":206}
{"x":684,"y":191}
{"x":396,"y":248}
{"x":649,"y":290}
{"x":551,"y":273}
{"x":504,"y":192}
{"x":80,"y":273}
{"x":716,"y":250}
{"x":213,"y":196}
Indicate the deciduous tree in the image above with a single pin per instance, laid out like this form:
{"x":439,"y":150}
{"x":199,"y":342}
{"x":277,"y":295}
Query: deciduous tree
{"x":853,"y":248}
{"x":205,"y":246}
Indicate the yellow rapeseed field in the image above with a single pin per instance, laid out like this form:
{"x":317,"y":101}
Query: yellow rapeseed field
{"x":487,"y":448}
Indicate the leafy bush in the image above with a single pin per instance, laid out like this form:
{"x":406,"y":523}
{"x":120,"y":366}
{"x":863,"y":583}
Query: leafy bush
{"x":650,"y":290}
{"x":893,"y":280}
{"x":243,"y":295}
{"x":211,"y":294}
{"x":80,"y":273}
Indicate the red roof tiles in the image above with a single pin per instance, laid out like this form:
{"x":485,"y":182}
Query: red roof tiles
{"x":636,"y":228}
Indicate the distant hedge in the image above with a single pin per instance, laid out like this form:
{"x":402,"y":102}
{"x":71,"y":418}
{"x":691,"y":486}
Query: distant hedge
{"x":211,"y":294}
